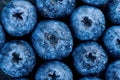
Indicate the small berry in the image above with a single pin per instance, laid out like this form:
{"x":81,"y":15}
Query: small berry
{"x":17,"y":58}
{"x":19,"y":17}
{"x":54,"y":70}
{"x":89,"y":58}
{"x":87,"y":22}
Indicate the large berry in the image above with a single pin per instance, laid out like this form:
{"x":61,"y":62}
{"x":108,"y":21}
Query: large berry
{"x":55,"y":8}
{"x":114,"y":11}
{"x":88,"y":23}
{"x":89,"y":58}
{"x":113,"y":71}
{"x":54,"y":70}
{"x":112,"y":41}
{"x":52,"y":40}
{"x":19,"y":17}
{"x":17,"y":58}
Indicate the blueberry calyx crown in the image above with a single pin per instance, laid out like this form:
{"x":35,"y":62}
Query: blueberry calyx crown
{"x":91,"y":57}
{"x":53,"y":75}
{"x":51,"y":38}
{"x":18,"y":15}
{"x":87,"y":22}
{"x":16,"y":57}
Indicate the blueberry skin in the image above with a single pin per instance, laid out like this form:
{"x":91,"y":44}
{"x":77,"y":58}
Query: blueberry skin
{"x":114,"y":12}
{"x":54,"y":70}
{"x":89,"y":58}
{"x":90,"y":78}
{"x":52,"y":39}
{"x":19,"y":17}
{"x":17,"y":58}
{"x":87,"y":23}
{"x":96,"y":2}
{"x":2,"y":36}
{"x":113,"y":71}
{"x":112,"y":41}
{"x":55,"y":8}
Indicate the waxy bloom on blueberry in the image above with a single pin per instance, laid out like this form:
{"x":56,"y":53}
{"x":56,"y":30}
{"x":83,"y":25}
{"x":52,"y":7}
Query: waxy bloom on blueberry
{"x":17,"y":58}
{"x":52,"y":39}
{"x":54,"y":70}
{"x":19,"y":17}
{"x":87,"y":23}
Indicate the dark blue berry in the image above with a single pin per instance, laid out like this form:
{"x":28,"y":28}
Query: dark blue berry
{"x":114,"y":11}
{"x":89,"y":58}
{"x":19,"y":17}
{"x":113,"y":71}
{"x":95,"y":2}
{"x":88,"y":23}
{"x":54,"y":70}
{"x":90,"y":78}
{"x":112,"y":40}
{"x":2,"y":36}
{"x":17,"y":58}
{"x":52,"y":40}
{"x":55,"y":8}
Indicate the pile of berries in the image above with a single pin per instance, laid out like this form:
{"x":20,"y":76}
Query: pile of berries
{"x":59,"y":40}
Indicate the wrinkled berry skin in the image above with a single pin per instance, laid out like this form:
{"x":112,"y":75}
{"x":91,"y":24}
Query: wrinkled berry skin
{"x":89,"y":58}
{"x":96,"y":2}
{"x":90,"y":78}
{"x":17,"y":58}
{"x":114,"y":11}
{"x":113,"y":71}
{"x":19,"y":17}
{"x":86,"y":22}
{"x":112,"y":41}
{"x":2,"y":36}
{"x":55,"y":8}
{"x":52,"y":39}
{"x":54,"y":70}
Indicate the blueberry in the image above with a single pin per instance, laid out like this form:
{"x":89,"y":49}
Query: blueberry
{"x":87,"y":22}
{"x":54,"y":70}
{"x":90,"y":78}
{"x":52,"y":40}
{"x":112,"y":41}
{"x":89,"y":58}
{"x":55,"y":8}
{"x":17,"y":58}
{"x":2,"y":36}
{"x":95,"y":2}
{"x":19,"y":17}
{"x":113,"y":71}
{"x":114,"y":11}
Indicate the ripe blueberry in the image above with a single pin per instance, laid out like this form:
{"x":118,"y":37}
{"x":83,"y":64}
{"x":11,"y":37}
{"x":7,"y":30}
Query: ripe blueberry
{"x":112,"y":41}
{"x":55,"y":8}
{"x":17,"y":58}
{"x":89,"y":58}
{"x":114,"y":11}
{"x":88,"y":23}
{"x":19,"y":17}
{"x":54,"y":70}
{"x":113,"y":71}
{"x":52,"y":40}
